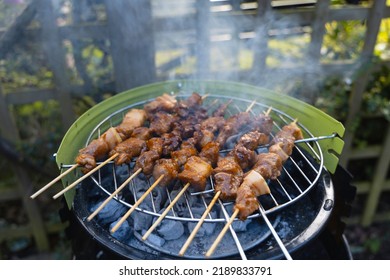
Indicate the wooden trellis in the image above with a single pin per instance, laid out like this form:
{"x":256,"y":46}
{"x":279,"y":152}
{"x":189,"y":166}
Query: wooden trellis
{"x":132,"y":49}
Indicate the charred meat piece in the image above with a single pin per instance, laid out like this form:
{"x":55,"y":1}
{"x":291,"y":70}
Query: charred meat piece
{"x":252,"y":186}
{"x":246,"y":203}
{"x":229,"y":165}
{"x":186,"y":150}
{"x":232,"y":126}
{"x":244,"y":156}
{"x":189,"y":106}
{"x":142,"y":133}
{"x":263,"y":123}
{"x":133,"y":119}
{"x":269,"y":165}
{"x":293,"y":130}
{"x":164,"y":102}
{"x":203,"y":137}
{"x":290,"y":132}
{"x":253,"y":139}
{"x":162,"y":122}
{"x":196,"y":172}
{"x":146,"y":161}
{"x":220,"y":111}
{"x":170,"y":143}
{"x":127,"y":150}
{"x":97,"y":149}
{"x":155,"y":144}
{"x":212,"y":124}
{"x":227,"y":184}
{"x":210,"y":153}
{"x":167,"y":167}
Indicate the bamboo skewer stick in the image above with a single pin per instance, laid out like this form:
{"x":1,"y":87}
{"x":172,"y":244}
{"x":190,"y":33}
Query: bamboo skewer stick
{"x":158,"y":221}
{"x":59,"y":177}
{"x":221,"y":234}
{"x":236,"y":212}
{"x":136,"y":204}
{"x":250,"y":106}
{"x":199,"y":224}
{"x":85,"y":176}
{"x":124,"y":184}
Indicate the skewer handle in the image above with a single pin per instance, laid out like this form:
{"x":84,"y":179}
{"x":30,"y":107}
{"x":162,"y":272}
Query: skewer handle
{"x":54,"y":181}
{"x":222,"y":234}
{"x":125,"y":183}
{"x":199,"y":224}
{"x":158,"y":221}
{"x":85,"y":176}
{"x":136,"y":204}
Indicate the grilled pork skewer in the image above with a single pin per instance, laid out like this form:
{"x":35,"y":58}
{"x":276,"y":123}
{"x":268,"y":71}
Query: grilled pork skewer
{"x":98,"y":148}
{"x":155,"y":146}
{"x":254,"y":183}
{"x":228,"y":174}
{"x":114,"y":136}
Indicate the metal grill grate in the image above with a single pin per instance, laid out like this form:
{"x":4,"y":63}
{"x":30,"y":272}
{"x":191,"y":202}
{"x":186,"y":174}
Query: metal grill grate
{"x":297,"y":178}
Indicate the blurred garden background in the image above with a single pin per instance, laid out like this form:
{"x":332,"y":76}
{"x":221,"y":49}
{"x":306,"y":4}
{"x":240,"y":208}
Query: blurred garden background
{"x":58,"y":58}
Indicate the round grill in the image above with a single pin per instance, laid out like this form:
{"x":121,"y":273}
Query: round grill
{"x":300,"y":174}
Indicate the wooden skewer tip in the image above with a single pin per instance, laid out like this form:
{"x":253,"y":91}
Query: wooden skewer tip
{"x":222,"y":234}
{"x":199,"y":224}
{"x":55,"y":180}
{"x":136,"y":204}
{"x":85,"y":176}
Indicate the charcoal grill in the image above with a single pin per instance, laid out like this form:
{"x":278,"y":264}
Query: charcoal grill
{"x":308,"y":171}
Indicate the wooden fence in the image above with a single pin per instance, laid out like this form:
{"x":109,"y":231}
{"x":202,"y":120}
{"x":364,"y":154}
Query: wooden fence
{"x":134,"y":43}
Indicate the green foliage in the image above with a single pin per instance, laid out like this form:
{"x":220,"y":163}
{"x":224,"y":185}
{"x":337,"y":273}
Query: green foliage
{"x":343,"y":40}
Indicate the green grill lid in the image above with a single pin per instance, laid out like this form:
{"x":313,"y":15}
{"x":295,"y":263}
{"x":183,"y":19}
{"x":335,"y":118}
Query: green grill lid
{"x":316,"y":121}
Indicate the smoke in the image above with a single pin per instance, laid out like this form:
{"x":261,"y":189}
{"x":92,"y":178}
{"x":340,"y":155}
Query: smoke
{"x":268,"y":51}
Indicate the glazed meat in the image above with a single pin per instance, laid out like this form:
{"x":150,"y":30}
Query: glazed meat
{"x":227,"y":184}
{"x":162,"y":122}
{"x":167,"y":167}
{"x":277,"y":149}
{"x":263,"y":123}
{"x":146,"y":161}
{"x":190,"y":105}
{"x":155,"y":144}
{"x":212,"y":124}
{"x":127,"y":150}
{"x":164,"y":102}
{"x":186,"y":150}
{"x":252,"y":186}
{"x":246,"y":203}
{"x":228,"y":165}
{"x":253,"y":139}
{"x":133,"y":119}
{"x":232,"y":125}
{"x":97,"y":149}
{"x":203,"y":137}
{"x":244,"y":156}
{"x":210,"y":153}
{"x":196,"y":172}
{"x":269,"y":165}
{"x":142,"y":133}
{"x":170,"y":143}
